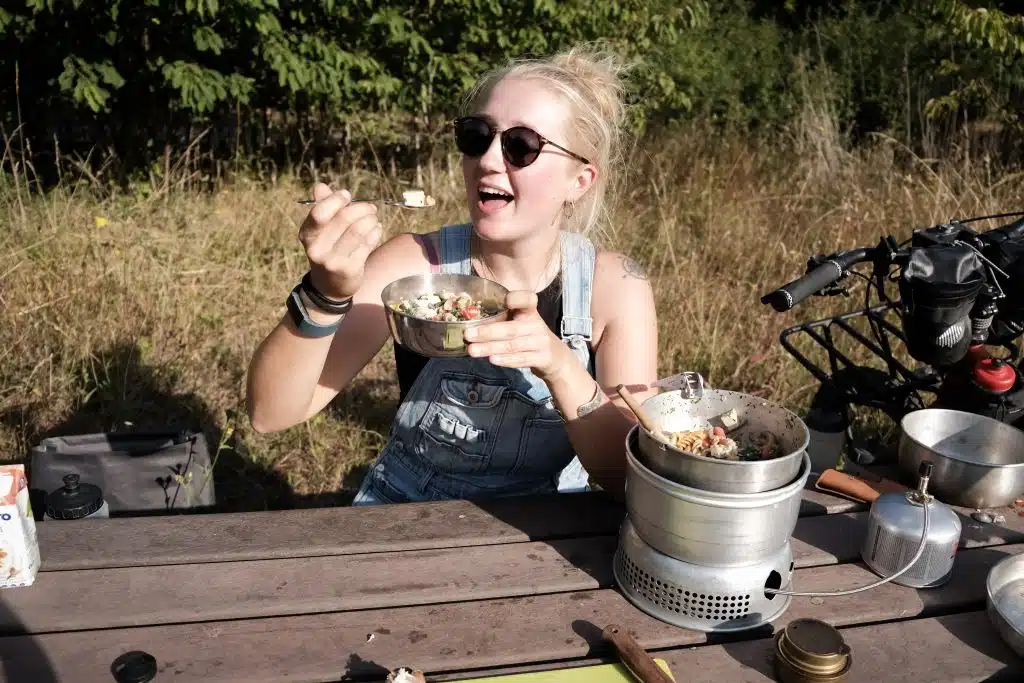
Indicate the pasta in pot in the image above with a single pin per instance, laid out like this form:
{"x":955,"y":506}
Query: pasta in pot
{"x":714,"y":443}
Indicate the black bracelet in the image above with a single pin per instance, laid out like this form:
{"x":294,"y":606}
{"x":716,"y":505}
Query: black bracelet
{"x":322,"y":302}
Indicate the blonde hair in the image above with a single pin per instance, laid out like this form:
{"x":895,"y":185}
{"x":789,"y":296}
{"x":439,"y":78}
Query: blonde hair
{"x":589,"y":79}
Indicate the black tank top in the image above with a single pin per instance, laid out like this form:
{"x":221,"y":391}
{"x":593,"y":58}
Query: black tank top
{"x":409,"y":363}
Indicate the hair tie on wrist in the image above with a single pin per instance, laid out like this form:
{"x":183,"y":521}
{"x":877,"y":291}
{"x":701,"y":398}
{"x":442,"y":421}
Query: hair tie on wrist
{"x":334,"y":306}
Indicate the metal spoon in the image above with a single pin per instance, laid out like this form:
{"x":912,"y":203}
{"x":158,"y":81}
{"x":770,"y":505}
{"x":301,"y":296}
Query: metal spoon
{"x":430,"y":202}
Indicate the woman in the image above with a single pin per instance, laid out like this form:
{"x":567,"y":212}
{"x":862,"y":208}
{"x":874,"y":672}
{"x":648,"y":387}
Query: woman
{"x":539,"y":140}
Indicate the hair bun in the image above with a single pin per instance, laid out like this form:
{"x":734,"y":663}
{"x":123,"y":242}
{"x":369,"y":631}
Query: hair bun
{"x":600,"y":72}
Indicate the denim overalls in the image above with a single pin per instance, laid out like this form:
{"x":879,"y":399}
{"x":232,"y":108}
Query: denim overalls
{"x":470,"y":429}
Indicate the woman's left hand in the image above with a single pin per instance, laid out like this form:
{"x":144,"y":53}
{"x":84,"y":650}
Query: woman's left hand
{"x":523,"y":341}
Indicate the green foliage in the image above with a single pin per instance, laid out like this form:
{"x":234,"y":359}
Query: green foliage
{"x":983,"y":27}
{"x":198,"y":55}
{"x":136,"y":75}
{"x":85,"y":81}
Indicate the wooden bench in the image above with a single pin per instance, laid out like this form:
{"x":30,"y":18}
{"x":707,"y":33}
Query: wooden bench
{"x":460,"y":589}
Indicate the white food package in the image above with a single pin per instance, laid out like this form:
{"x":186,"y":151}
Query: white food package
{"x":19,"y":545}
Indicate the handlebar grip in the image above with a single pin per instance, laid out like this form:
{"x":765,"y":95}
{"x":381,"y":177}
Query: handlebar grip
{"x":787,"y":296}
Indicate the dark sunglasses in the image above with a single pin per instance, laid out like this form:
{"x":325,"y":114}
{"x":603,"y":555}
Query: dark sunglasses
{"x":520,"y":145}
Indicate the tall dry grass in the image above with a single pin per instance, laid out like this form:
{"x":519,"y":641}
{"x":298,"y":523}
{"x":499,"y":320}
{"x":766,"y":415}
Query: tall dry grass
{"x":124,"y":310}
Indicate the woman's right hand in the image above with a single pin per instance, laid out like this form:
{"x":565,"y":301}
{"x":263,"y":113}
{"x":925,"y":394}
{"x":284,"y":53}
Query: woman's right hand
{"x":338,"y":236}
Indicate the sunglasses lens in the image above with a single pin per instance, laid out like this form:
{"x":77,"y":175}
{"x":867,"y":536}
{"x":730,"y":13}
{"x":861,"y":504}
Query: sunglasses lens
{"x":521,"y":146}
{"x":473,"y":136}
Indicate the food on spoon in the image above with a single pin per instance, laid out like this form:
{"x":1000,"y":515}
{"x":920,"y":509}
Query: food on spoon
{"x":712,"y":442}
{"x":445,"y":306}
{"x":404,"y":674}
{"x":417,"y":198}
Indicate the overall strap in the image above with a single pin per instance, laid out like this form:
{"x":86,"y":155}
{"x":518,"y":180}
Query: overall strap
{"x":578,"y":258}
{"x":455,"y":249}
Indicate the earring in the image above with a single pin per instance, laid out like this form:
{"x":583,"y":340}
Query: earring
{"x":569,"y":209}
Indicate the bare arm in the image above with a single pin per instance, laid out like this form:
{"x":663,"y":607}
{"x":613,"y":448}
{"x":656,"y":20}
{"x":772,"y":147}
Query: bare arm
{"x":291,"y":377}
{"x":626,"y":348}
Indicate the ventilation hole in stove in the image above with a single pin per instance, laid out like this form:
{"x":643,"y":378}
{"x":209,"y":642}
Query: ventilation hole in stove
{"x":680,"y":599}
{"x":774,"y":582}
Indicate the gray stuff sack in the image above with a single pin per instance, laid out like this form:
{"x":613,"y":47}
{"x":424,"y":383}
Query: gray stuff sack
{"x":139,"y":474}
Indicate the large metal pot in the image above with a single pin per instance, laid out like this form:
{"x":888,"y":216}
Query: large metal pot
{"x":978,"y":461}
{"x":1004,"y":600}
{"x":672,"y":411}
{"x":707,"y":527}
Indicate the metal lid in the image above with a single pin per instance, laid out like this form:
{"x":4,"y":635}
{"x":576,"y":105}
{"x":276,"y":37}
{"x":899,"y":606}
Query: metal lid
{"x":75,"y":500}
{"x":812,"y":650}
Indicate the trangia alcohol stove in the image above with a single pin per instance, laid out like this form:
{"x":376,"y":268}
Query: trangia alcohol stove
{"x":720,"y":560}
{"x":702,"y":559}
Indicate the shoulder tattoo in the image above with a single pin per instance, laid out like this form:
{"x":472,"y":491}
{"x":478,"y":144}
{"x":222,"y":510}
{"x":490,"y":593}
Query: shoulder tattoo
{"x":633,"y":269}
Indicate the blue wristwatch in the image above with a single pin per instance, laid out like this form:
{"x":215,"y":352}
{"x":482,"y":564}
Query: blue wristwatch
{"x":300,"y":316}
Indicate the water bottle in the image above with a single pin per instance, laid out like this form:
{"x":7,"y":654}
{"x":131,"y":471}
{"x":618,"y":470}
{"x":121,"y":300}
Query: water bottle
{"x":76,"y":500}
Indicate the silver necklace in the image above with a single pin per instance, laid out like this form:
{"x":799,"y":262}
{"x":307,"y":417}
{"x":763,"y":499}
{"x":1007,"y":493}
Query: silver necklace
{"x":479,"y":258}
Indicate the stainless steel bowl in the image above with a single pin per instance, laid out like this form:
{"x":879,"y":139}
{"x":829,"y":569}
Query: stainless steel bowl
{"x":436,"y":338}
{"x":978,"y":461}
{"x":1004,"y":600}
{"x":673,"y":412}
{"x":706,"y":527}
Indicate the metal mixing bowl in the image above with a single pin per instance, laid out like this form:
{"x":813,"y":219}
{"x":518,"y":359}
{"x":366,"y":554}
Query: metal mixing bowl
{"x":978,"y":461}
{"x":438,"y":338}
{"x":674,"y":412}
{"x":1004,"y":601}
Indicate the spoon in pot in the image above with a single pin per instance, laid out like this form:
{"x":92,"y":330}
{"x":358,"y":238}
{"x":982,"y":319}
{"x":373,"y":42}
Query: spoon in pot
{"x":640,"y":413}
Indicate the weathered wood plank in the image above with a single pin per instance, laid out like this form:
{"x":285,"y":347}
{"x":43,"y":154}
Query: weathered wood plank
{"x":260,"y":588}
{"x":183,"y":539}
{"x":958,"y":648}
{"x":186,"y":539}
{"x":452,"y":636}
{"x":168,"y":594}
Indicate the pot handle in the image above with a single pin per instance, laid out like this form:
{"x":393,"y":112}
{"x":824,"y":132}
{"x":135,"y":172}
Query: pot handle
{"x":691,"y":384}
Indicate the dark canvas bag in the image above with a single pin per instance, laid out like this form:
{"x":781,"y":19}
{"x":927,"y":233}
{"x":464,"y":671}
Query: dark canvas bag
{"x":142,"y":473}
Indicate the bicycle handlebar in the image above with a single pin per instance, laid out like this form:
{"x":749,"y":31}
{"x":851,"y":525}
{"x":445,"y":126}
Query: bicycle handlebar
{"x":789,"y":295}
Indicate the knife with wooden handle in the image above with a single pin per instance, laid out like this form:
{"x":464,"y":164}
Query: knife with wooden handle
{"x":855,"y":488}
{"x":635,"y":658}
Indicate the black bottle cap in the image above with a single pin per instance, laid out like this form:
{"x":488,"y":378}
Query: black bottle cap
{"x":134,"y":667}
{"x":75,"y":500}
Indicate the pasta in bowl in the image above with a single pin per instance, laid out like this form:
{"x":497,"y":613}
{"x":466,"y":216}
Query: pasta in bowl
{"x":430,"y":313}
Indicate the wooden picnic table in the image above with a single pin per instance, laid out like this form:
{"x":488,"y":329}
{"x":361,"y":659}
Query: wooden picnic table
{"x":460,"y":589}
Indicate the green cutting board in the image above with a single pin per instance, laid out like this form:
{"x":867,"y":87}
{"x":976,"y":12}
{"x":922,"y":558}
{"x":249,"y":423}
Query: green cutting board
{"x":602,"y":673}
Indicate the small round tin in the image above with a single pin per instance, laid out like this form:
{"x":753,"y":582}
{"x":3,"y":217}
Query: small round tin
{"x":811,"y":651}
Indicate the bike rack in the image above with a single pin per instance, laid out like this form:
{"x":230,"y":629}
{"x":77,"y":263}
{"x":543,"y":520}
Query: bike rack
{"x":894,"y":391}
